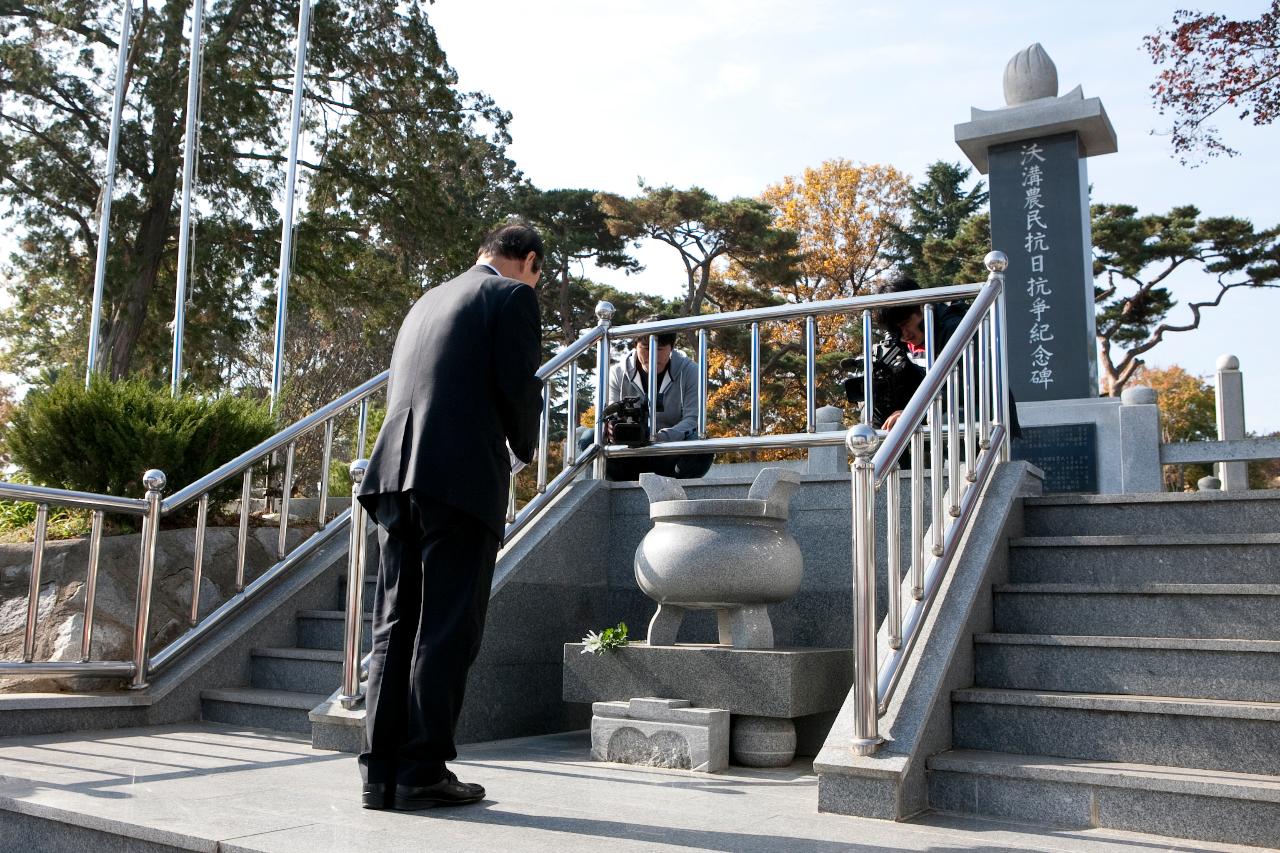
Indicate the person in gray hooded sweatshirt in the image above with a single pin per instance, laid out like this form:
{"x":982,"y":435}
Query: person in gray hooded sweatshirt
{"x":677,"y":409}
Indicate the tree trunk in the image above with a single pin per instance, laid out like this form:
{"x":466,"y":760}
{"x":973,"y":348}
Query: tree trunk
{"x":566,"y":312}
{"x":149,"y":248}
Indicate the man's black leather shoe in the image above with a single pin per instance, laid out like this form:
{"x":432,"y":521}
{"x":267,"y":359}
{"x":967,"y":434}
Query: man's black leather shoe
{"x":447,"y":792}
{"x":376,"y":796}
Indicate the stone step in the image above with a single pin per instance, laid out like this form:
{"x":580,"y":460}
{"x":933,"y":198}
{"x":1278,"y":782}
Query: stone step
{"x":1247,"y":670}
{"x":322,"y":629}
{"x":1228,"y":611}
{"x":1076,"y":515}
{"x":296,"y":670}
{"x":281,"y":710}
{"x":1156,"y":558}
{"x":1210,"y":734}
{"x":370,"y":582}
{"x":1205,"y":805}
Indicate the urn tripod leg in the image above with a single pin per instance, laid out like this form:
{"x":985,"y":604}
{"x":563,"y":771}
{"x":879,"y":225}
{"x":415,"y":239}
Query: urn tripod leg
{"x":747,"y":627}
{"x":665,"y":625}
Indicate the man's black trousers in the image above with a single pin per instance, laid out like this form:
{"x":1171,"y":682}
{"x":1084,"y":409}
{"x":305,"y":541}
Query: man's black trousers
{"x":434,"y":573}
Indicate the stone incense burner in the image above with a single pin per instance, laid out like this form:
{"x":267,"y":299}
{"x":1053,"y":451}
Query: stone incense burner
{"x":734,"y":556}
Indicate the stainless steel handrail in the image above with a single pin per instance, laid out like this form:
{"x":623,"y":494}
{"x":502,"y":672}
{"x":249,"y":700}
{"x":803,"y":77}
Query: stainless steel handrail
{"x":570,"y":353}
{"x":68,"y":498}
{"x":798,"y":310}
{"x":935,"y":379}
{"x":953,"y":374}
{"x":276,"y":442}
{"x":601,"y":336}
{"x":912,"y":428}
{"x":181,"y":646}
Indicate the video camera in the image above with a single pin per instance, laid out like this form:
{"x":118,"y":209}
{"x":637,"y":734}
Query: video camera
{"x":894,"y":378}
{"x":629,"y":418}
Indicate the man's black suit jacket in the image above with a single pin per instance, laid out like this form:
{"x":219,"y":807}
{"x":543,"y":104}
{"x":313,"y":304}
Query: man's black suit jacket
{"x":461,"y":388}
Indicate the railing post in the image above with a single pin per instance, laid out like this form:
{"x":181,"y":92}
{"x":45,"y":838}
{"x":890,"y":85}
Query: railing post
{"x":862,"y":442}
{"x":935,"y":441}
{"x":155,"y":482}
{"x":352,"y":695}
{"x":702,"y":383}
{"x":755,"y":378}
{"x":996,"y":263}
{"x":810,"y":373}
{"x":651,"y":370}
{"x":604,"y":314}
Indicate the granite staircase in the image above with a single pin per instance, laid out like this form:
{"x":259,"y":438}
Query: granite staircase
{"x":1132,"y":679}
{"x":286,"y":683}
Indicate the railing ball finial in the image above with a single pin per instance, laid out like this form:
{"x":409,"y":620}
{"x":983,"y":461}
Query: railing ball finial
{"x":604,"y":311}
{"x":358,"y":468}
{"x":154,"y":480}
{"x":996,"y":261}
{"x":862,"y":440}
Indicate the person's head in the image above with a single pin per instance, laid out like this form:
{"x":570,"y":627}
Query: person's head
{"x":515,"y":250}
{"x":904,"y":321}
{"x":666,"y":344}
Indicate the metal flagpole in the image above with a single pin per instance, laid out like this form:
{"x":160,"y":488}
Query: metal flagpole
{"x":108,"y":190}
{"x":286,"y":227}
{"x":188,"y":175}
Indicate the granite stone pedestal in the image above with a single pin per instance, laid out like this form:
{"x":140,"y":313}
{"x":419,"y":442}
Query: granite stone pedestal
{"x":782,"y":701}
{"x":660,"y":733}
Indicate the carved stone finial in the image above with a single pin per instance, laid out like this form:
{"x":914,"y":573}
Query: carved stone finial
{"x":1029,"y":76}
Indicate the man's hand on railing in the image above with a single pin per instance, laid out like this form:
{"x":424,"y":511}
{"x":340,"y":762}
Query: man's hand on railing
{"x":891,"y":420}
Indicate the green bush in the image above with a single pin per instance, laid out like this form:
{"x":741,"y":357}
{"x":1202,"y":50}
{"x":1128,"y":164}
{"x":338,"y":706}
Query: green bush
{"x":103,"y":438}
{"x":340,"y":469}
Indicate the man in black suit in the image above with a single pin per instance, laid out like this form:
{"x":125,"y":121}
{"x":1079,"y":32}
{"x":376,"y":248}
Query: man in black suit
{"x":461,"y":391}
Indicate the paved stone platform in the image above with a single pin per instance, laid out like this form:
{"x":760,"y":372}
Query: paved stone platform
{"x":212,"y":788}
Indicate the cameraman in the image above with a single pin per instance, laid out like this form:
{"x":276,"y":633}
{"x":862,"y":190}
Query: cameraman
{"x":677,"y":409}
{"x":900,"y":356}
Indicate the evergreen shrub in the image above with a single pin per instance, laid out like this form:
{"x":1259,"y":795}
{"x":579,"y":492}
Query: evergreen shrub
{"x":101,"y":439}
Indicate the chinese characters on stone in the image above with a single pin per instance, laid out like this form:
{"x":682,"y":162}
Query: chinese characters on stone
{"x":1036,"y":244}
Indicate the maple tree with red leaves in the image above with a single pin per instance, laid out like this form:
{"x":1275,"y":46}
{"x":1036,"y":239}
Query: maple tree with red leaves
{"x":1210,"y":63}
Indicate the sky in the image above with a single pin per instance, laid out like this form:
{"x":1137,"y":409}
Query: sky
{"x":734,"y":95}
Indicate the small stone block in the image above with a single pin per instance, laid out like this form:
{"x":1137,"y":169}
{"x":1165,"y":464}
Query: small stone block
{"x":643,"y":709}
{"x":654,"y":732}
{"x":762,"y":741}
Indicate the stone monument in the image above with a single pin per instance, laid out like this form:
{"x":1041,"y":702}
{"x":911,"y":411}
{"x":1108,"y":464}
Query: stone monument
{"x":1034,"y":149}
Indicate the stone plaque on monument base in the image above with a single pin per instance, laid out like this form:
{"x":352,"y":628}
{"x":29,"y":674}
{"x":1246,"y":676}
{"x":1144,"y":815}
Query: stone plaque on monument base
{"x":1067,"y":453}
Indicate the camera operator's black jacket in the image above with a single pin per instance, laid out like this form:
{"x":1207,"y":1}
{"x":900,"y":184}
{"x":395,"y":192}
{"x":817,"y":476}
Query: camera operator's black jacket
{"x":905,"y":375}
{"x":899,"y":376}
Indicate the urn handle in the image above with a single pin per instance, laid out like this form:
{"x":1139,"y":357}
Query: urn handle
{"x":660,"y":488}
{"x":775,"y":486}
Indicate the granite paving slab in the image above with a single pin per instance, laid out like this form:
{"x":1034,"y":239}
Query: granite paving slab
{"x":200,"y":786}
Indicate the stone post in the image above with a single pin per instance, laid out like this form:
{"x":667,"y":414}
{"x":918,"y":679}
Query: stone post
{"x":1230,"y":403}
{"x":828,"y":460}
{"x":1140,"y":469}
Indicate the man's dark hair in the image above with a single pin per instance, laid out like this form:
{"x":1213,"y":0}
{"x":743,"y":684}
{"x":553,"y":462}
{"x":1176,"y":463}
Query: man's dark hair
{"x":514,"y":240}
{"x":893,"y":317}
{"x":666,"y":339}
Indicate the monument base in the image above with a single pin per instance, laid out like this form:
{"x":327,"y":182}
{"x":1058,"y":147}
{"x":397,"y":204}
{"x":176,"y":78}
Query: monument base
{"x":1124,"y":434}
